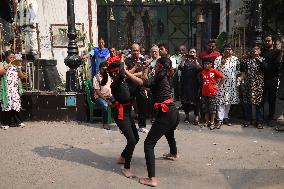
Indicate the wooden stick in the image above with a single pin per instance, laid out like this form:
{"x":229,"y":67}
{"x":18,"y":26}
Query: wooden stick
{"x":1,"y":44}
{"x":27,"y":75}
{"x":244,"y":39}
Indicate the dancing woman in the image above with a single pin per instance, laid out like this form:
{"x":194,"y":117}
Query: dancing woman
{"x":122,"y":114}
{"x":167,"y":117}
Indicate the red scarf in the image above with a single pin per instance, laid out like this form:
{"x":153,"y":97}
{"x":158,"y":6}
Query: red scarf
{"x":120,"y":108}
{"x":163,"y":105}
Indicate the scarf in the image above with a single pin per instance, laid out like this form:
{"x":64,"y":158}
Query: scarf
{"x":4,"y":88}
{"x":101,"y":53}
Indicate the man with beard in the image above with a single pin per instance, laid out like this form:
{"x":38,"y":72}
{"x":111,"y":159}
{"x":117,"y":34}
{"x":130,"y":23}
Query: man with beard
{"x":272,"y":57}
{"x":134,"y":64}
{"x":210,"y":53}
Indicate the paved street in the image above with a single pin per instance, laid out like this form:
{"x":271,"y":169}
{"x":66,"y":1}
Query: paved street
{"x":80,"y":155}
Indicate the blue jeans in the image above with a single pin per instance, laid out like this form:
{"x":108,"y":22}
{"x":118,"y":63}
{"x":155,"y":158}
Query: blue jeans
{"x":102,"y":103}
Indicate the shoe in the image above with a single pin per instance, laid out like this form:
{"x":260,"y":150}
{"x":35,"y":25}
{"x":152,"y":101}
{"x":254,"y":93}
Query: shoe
{"x":245,"y":124}
{"x":259,"y":126}
{"x":5,"y":127}
{"x":227,"y":122}
{"x":186,"y":120}
{"x":143,"y":130}
{"x":22,"y":125}
{"x":279,"y":128}
{"x":106,"y":127}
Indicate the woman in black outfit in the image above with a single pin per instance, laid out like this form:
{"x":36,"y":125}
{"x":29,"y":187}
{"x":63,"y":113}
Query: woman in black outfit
{"x":167,"y":117}
{"x":122,"y":114}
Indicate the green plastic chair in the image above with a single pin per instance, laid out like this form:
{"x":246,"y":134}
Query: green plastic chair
{"x":93,"y":107}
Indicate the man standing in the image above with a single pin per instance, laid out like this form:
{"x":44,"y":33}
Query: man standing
{"x":176,"y":61}
{"x":135,"y":62}
{"x":272,"y":57}
{"x":210,"y":53}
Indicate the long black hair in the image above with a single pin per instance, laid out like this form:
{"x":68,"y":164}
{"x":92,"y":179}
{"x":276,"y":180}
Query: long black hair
{"x":166,"y":69}
{"x":104,"y":74}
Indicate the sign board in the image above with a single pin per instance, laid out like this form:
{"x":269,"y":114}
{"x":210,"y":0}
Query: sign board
{"x":70,"y":100}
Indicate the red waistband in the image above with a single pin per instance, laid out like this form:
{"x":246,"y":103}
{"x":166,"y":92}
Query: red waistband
{"x":120,"y":108}
{"x":163,"y":105}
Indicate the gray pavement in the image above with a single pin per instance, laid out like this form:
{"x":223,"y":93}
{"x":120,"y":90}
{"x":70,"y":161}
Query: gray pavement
{"x":80,"y":155}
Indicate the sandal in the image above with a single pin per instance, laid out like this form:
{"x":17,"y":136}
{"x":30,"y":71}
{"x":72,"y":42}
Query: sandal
{"x":212,"y":126}
{"x":186,"y":120}
{"x":219,"y":124}
{"x":195,"y":122}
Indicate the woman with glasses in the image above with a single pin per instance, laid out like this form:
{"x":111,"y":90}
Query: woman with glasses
{"x":228,"y":93}
{"x":252,"y":87}
{"x":190,"y":85}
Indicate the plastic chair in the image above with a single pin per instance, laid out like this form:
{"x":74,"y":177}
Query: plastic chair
{"x":93,"y":107}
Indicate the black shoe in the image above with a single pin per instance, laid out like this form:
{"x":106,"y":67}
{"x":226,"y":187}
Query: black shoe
{"x":227,"y":122}
{"x":186,"y":120}
{"x":245,"y":124}
{"x":259,"y":126}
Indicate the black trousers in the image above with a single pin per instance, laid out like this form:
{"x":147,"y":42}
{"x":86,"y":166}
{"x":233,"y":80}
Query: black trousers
{"x":188,"y":107}
{"x":129,"y":130}
{"x":165,"y":124}
{"x":142,"y":104}
{"x":270,"y":94}
{"x":11,"y":118}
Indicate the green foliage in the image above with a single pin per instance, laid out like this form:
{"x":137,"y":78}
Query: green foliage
{"x":221,"y":40}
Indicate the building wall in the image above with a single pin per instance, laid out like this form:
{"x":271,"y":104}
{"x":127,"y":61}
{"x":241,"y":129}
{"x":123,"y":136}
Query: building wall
{"x":235,"y":20}
{"x":55,"y":12}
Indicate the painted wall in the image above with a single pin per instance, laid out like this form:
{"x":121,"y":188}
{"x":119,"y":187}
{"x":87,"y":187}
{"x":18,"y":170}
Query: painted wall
{"x":55,"y":12}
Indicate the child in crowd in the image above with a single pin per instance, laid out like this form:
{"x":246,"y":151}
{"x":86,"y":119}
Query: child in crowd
{"x":212,"y":80}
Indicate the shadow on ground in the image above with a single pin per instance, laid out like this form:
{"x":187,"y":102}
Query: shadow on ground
{"x":78,"y":155}
{"x":254,"y":178}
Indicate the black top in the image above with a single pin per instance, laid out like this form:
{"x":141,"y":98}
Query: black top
{"x":130,"y":63}
{"x":272,"y":65}
{"x":120,"y":90}
{"x":160,"y":88}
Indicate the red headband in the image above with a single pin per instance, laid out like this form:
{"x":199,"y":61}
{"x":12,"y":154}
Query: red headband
{"x":114,"y":69}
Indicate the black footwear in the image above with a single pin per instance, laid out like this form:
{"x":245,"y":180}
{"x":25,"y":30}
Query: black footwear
{"x":227,"y":122}
{"x":245,"y":124}
{"x":186,"y":120}
{"x":259,"y":126}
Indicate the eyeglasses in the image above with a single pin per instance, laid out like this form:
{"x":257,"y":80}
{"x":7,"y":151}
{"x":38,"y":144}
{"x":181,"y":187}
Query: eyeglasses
{"x":192,"y":51}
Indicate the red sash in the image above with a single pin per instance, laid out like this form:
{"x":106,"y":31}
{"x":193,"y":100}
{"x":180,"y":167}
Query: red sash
{"x":120,"y":108}
{"x":163,"y":105}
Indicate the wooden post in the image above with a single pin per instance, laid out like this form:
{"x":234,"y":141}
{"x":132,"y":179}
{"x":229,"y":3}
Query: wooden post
{"x":90,"y":21}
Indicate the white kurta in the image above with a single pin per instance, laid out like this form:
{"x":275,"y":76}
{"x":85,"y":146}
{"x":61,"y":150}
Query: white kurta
{"x":228,"y":92}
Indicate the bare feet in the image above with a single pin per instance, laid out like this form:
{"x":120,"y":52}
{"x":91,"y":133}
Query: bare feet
{"x":120,"y":160}
{"x":149,"y":181}
{"x":170,"y":156}
{"x":127,"y":172}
